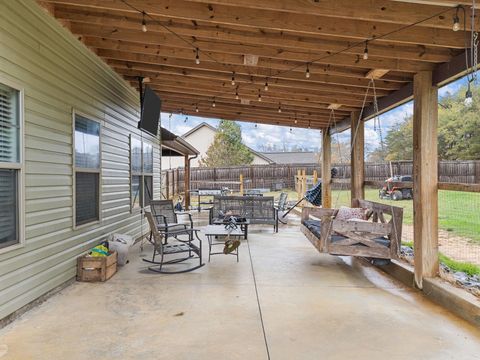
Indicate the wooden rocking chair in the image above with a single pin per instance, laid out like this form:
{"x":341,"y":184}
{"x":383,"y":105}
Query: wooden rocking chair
{"x":162,"y":249}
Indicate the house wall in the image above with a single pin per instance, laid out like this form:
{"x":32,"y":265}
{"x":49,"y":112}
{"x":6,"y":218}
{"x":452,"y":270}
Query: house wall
{"x":58,"y":74}
{"x":201,"y":140}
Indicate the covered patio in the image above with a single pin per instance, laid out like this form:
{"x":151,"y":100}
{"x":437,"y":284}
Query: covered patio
{"x":73,"y":70}
{"x":281,"y":301}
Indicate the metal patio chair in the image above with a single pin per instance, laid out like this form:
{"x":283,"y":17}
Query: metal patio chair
{"x":166,"y":219}
{"x":162,"y":249}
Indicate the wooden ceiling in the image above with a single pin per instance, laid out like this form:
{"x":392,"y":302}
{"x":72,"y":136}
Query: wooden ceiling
{"x":284,"y":36}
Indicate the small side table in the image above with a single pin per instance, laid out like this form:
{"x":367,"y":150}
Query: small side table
{"x":218,"y":234}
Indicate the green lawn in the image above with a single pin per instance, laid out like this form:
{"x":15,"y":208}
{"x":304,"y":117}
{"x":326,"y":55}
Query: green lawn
{"x":459,"y":212}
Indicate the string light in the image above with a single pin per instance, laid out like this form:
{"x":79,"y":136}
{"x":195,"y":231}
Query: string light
{"x":144,"y":23}
{"x":259,"y":95}
{"x":309,"y":124}
{"x":236,"y":94}
{"x":456,"y":21}
{"x":213,"y":103}
{"x":468,"y":97}
{"x":365,"y":52}
{"x":279,"y":108}
{"x":266,"y":85}
{"x":307,"y":74}
{"x":196,"y":108}
{"x":256,"y":125}
{"x":233,"y":78}
{"x":197,"y":58}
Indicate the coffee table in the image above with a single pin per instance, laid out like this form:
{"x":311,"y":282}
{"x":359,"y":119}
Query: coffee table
{"x":218,"y":234}
{"x":243,"y":225}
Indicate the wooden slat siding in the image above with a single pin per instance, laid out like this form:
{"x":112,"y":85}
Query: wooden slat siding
{"x":59,"y":74}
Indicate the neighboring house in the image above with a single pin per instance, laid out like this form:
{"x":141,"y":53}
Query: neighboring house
{"x":294,"y":157}
{"x":201,"y":137}
{"x":73,"y":166}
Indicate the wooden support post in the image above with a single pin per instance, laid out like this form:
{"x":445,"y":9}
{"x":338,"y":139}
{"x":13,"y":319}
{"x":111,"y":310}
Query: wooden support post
{"x":186,"y":178}
{"x":326,"y":169}
{"x":304,"y":186}
{"x":241,"y":184}
{"x":425,"y":177}
{"x":315,"y":177}
{"x":357,"y":178}
{"x":298,"y":184}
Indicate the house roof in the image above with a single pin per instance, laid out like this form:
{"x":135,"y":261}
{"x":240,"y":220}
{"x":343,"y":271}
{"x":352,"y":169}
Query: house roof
{"x":294,"y":157}
{"x":174,"y":145}
{"x":204,"y":124}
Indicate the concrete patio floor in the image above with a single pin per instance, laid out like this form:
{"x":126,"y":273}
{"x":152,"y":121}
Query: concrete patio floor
{"x":313,"y":307}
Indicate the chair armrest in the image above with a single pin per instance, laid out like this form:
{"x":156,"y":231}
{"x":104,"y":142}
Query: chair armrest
{"x":161,"y":217}
{"x":189,"y":216}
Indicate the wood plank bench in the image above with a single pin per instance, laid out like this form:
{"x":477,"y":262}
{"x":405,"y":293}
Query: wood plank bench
{"x":379,"y":237}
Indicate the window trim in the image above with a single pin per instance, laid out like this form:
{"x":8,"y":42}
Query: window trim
{"x":141,"y":173}
{"x":19,"y":166}
{"x":86,"y":170}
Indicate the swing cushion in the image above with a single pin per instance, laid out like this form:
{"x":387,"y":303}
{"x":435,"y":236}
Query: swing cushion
{"x":315,"y":227}
{"x":347,"y":213}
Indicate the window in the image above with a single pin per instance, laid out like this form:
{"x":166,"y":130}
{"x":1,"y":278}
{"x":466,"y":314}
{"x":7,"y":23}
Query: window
{"x":142,"y":173}
{"x":10,"y":166}
{"x":87,"y":170}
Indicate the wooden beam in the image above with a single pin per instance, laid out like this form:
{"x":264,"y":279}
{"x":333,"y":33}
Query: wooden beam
{"x":326,"y":169}
{"x":278,"y":21}
{"x":376,"y":10}
{"x":376,"y":74}
{"x":357,"y":178}
{"x":425,"y":177}
{"x":186,"y":176}
{"x":162,"y":62}
{"x":208,"y":37}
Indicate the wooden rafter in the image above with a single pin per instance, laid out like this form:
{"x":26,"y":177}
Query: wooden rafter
{"x":283,"y":35}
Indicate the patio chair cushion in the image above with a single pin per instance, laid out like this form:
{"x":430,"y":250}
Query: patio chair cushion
{"x":171,"y":227}
{"x":315,"y":227}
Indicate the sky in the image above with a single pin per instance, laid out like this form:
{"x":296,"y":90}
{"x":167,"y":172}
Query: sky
{"x":281,"y":138}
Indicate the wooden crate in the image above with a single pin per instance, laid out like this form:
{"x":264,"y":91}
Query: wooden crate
{"x":93,"y":269}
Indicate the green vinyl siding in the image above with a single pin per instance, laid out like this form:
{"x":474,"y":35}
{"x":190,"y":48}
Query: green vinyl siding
{"x":58,"y":75}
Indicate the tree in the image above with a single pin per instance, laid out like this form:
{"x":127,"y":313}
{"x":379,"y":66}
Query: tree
{"x":458,"y":132}
{"x":227,"y":148}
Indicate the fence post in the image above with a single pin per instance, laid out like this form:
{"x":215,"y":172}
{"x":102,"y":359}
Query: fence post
{"x":241,"y":184}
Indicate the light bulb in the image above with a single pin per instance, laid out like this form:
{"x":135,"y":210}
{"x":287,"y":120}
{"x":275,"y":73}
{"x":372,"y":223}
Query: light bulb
{"x":365,"y":52}
{"x":259,"y":96}
{"x":307,"y":72}
{"x":468,"y":98}
{"x":456,"y":23}
{"x":196,"y":108}
{"x":197,"y":58}
{"x":144,"y":23}
{"x":233,"y":79}
{"x":266,"y":85}
{"x":279,"y":109}
{"x":213,"y":103}
{"x":236,"y":96}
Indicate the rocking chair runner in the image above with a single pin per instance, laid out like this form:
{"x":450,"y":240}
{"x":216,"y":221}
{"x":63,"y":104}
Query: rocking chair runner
{"x":162,"y":249}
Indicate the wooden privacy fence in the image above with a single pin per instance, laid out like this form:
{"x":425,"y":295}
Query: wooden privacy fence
{"x":282,"y":176}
